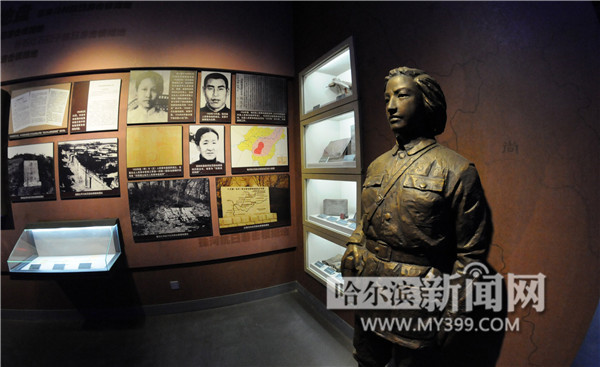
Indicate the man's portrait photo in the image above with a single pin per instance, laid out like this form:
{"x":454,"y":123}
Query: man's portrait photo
{"x":215,"y":99}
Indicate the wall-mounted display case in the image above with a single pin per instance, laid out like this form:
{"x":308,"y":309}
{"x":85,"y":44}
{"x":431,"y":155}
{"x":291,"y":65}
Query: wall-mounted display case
{"x":67,"y":247}
{"x":329,"y":82}
{"x":323,"y":255}
{"x":332,"y":202}
{"x":331,"y":159}
{"x":331,"y":141}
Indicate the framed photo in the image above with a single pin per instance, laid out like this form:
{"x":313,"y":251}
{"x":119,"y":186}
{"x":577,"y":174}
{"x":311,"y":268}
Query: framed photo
{"x":39,"y":111}
{"x":260,"y":99}
{"x":31,"y":172}
{"x":88,"y":168}
{"x":215,"y":96}
{"x":158,"y":96}
{"x":258,"y":149}
{"x":169,"y":209}
{"x":154,"y":152}
{"x":249,"y":203}
{"x":207,"y":150}
{"x":95,"y":105}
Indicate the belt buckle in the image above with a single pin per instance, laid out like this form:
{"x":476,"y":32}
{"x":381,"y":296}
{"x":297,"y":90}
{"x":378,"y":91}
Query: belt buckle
{"x":383,"y":251}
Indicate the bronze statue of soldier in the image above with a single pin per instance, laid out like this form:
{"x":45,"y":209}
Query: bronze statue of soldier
{"x":424,"y":215}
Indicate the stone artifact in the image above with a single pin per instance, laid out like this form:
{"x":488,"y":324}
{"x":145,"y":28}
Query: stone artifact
{"x":424,"y":215}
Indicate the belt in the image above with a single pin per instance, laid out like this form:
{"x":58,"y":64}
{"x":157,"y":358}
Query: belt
{"x":385,"y":252}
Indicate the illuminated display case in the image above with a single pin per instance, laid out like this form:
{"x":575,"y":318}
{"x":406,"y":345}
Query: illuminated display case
{"x":67,"y":247}
{"x":332,"y":202}
{"x":329,"y":82}
{"x":331,"y":159}
{"x":323,"y":256}
{"x":331,"y":141}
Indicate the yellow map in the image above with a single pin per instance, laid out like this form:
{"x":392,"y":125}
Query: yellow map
{"x":259,"y":145}
{"x":245,"y":206}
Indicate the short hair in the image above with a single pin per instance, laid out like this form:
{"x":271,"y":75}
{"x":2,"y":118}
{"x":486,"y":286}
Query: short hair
{"x":156,"y":78}
{"x":433,"y":97}
{"x":203,"y":130}
{"x":216,"y":76}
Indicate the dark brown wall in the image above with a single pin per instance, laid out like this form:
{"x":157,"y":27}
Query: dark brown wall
{"x":522,"y":85}
{"x":203,"y":35}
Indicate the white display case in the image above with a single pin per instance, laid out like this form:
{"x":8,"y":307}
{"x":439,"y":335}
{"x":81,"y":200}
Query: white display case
{"x":323,"y":255}
{"x":332,"y":202}
{"x":67,"y":247}
{"x":329,"y":82}
{"x":331,"y":141}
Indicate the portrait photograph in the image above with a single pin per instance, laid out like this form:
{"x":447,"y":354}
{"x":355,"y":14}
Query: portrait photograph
{"x":215,"y":96}
{"x":207,"y":150}
{"x":148,"y":100}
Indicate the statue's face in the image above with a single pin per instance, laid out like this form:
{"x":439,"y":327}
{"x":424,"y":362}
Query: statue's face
{"x":404,"y":107}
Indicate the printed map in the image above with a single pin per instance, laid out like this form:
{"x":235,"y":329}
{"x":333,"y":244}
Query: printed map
{"x":258,"y":146}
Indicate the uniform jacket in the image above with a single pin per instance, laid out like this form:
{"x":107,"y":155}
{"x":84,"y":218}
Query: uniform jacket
{"x":435,"y":213}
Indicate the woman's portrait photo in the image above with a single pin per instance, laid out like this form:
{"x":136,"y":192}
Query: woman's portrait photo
{"x":147,"y":99}
{"x":207,"y":149}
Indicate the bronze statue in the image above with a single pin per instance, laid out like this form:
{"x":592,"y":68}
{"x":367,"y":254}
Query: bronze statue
{"x":424,"y":214}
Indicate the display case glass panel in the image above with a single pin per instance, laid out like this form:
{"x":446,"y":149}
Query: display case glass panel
{"x":323,"y":257}
{"x":331,"y":141}
{"x":67,"y":247}
{"x":329,"y":82}
{"x":332,"y":202}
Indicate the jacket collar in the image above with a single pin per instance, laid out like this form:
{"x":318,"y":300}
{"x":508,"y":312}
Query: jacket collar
{"x":414,"y":146}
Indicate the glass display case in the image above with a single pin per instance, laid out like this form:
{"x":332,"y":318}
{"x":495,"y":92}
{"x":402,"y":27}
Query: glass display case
{"x":323,"y":256}
{"x":331,"y":159}
{"x":332,"y":202}
{"x":328,"y":82}
{"x":67,"y":247}
{"x":331,"y":141}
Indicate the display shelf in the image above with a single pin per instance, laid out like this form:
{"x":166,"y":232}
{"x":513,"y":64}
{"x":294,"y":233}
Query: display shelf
{"x":323,"y":255}
{"x":330,"y":157}
{"x":67,"y":247}
{"x":331,"y":202}
{"x":331,"y":141}
{"x":329,"y":82}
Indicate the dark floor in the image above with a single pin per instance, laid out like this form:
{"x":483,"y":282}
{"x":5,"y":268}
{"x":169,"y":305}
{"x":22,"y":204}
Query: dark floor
{"x":282,"y":330}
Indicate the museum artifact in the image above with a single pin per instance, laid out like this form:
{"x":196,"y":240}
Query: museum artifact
{"x":39,"y":111}
{"x":424,"y":215}
{"x":340,"y":87}
{"x":67,"y":247}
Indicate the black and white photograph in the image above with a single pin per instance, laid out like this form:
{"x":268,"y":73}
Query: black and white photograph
{"x":159,"y":96}
{"x":31,"y":172}
{"x":88,"y":168}
{"x":215,"y":99}
{"x":169,"y":209}
{"x":207,"y":150}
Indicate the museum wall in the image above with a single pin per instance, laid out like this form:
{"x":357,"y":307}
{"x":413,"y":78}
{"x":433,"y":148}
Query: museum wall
{"x":48,"y":43}
{"x":522,"y":87}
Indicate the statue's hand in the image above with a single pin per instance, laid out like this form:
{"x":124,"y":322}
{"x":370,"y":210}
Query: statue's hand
{"x":351,"y":261}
